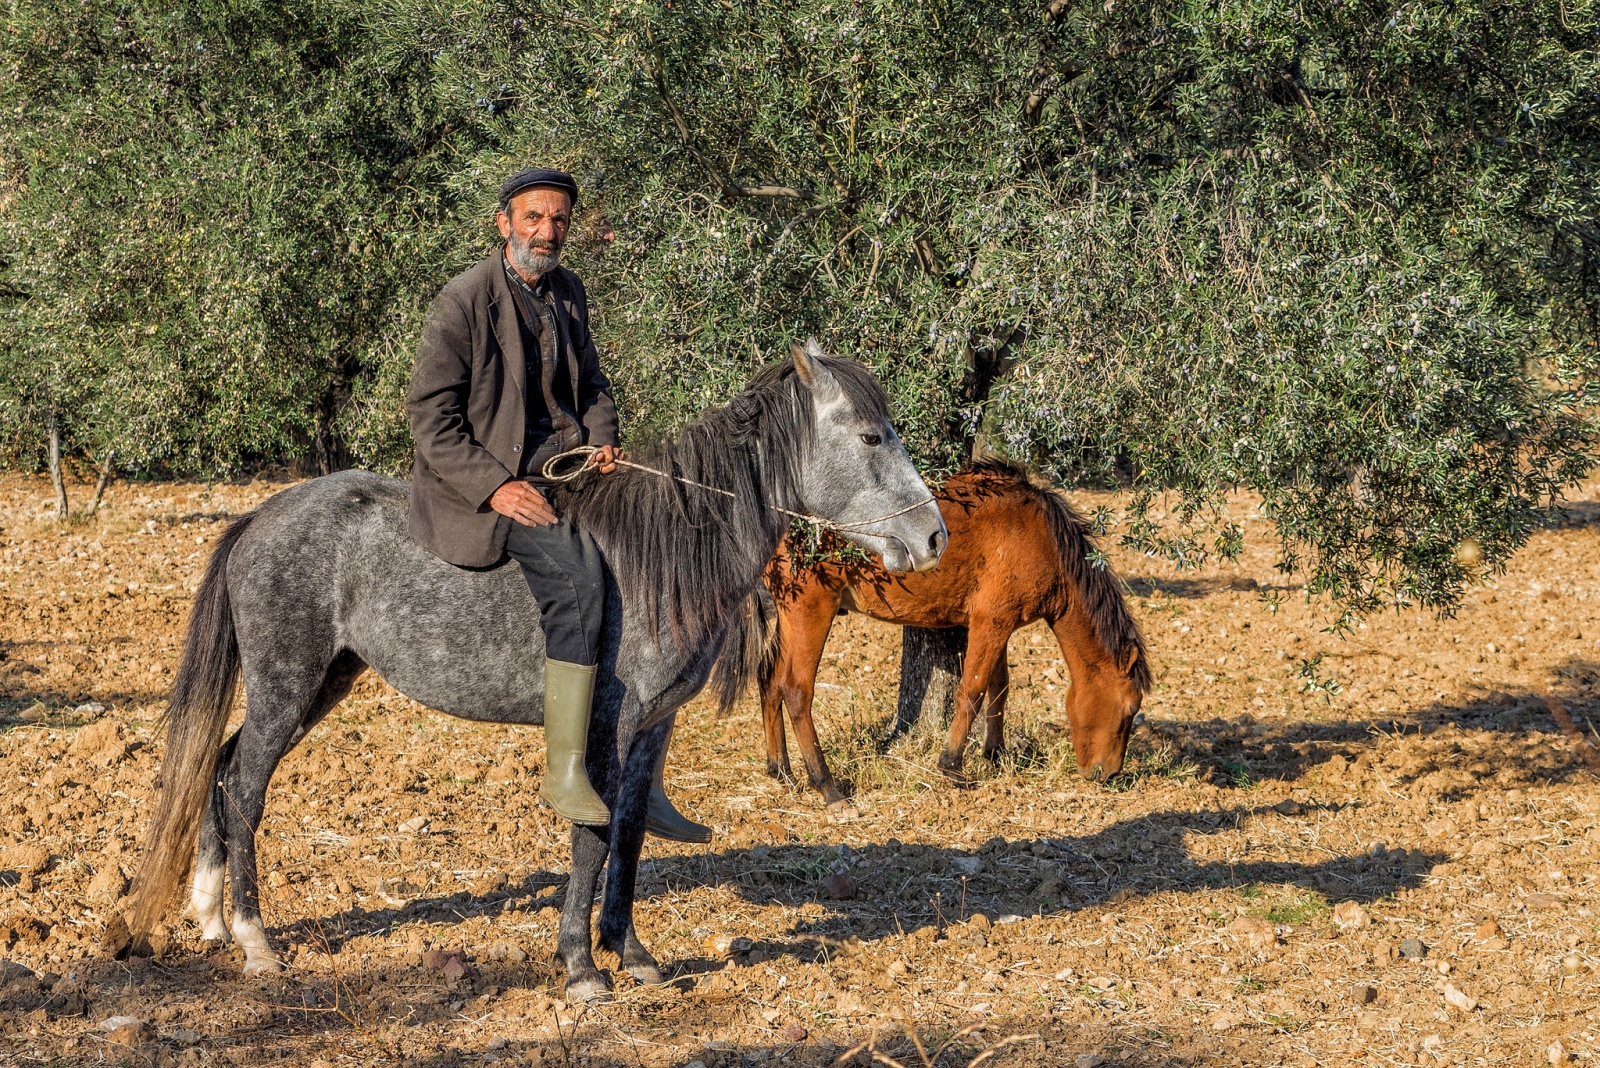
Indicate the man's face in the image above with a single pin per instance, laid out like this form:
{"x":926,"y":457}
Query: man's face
{"x":534,"y":225}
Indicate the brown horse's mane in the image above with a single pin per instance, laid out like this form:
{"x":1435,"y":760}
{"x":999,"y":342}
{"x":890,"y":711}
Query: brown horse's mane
{"x":1099,"y":587}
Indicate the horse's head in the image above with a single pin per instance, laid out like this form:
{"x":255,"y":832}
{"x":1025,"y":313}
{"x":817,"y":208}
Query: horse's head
{"x":1102,"y":704}
{"x":857,"y":473}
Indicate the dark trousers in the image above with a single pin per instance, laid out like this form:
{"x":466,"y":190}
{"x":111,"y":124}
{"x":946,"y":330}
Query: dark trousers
{"x":564,"y":571}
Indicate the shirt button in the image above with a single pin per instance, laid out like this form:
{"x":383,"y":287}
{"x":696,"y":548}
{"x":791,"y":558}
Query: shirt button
{"x":516,"y":448}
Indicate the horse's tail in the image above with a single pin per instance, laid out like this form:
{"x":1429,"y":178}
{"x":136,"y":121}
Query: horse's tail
{"x":1098,"y":588}
{"x":750,"y":650}
{"x":196,"y":716}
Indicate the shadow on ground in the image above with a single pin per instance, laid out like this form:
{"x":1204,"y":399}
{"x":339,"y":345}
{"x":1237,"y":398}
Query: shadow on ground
{"x":1242,"y":750}
{"x":368,"y":1016}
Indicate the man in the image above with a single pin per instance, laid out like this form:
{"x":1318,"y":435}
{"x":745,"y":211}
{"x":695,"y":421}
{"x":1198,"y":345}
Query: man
{"x":506,"y":377}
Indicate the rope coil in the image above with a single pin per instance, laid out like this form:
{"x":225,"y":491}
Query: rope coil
{"x":588,"y":452}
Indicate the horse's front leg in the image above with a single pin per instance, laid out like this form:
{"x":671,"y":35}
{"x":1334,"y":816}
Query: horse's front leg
{"x":585,"y":982}
{"x":628,"y":811}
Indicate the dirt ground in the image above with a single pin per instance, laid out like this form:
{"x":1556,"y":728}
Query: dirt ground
{"x":1387,"y":856}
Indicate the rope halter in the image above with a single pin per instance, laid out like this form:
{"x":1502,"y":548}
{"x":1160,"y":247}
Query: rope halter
{"x":550,"y":474}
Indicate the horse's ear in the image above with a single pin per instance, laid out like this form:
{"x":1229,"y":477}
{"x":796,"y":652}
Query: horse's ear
{"x":808,"y":365}
{"x":802,"y":362}
{"x":1130,"y":657}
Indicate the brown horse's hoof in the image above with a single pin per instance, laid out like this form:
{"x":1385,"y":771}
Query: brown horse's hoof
{"x":953,"y":771}
{"x":842,"y":811}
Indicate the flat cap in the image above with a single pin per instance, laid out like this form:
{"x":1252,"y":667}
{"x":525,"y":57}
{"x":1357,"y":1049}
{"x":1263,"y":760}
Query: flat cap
{"x":536,"y":176}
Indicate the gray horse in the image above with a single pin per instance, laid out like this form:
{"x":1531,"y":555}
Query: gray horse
{"x":323,"y":581}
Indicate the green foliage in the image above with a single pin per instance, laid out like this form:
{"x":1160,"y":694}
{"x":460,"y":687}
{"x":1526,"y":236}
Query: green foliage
{"x":1309,"y":907}
{"x":1312,"y":680}
{"x":1152,"y":761}
{"x":1341,"y":254}
{"x":202,"y":249}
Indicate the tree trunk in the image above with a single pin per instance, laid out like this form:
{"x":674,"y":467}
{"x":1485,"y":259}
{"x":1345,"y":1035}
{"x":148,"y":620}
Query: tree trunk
{"x":55,"y":468}
{"x":105,"y":480}
{"x":930,"y":669}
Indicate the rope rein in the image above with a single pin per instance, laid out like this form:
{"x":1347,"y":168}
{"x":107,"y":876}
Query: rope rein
{"x":588,"y":452}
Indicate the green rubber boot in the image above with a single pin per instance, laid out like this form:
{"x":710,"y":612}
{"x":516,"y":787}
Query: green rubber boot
{"x":568,"y":692}
{"x":662,"y":819}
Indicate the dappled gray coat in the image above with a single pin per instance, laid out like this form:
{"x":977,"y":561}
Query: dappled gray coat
{"x":467,"y":406}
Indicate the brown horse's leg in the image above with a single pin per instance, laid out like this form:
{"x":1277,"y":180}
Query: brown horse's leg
{"x":994,"y":717}
{"x":986,"y":647}
{"x":806,"y":616}
{"x":772,"y":720}
{"x":805,"y":736}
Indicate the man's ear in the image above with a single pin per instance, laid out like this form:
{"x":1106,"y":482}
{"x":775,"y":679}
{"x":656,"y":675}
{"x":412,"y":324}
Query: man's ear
{"x":503,"y":221}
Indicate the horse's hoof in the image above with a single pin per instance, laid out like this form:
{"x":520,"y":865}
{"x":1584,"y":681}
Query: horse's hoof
{"x":956,"y":775}
{"x":263,"y":967}
{"x":842,"y":811}
{"x":589,"y":989}
{"x":646,"y":973}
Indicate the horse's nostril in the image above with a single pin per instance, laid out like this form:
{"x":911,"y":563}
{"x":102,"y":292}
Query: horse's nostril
{"x":936,"y":542}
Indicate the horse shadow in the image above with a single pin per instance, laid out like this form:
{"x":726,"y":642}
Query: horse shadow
{"x":532,"y":893}
{"x":892,"y":888}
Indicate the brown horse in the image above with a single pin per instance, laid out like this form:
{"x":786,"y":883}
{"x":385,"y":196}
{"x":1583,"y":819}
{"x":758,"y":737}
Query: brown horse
{"x":1018,"y":552}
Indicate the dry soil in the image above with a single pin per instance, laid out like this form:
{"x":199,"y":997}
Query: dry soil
{"x":1385,"y":856}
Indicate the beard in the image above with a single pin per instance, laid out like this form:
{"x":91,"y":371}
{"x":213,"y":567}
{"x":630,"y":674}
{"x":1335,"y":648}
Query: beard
{"x":534,"y":256}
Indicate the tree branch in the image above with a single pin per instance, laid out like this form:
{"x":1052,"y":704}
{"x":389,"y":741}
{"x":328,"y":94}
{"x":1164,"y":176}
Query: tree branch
{"x":771,"y":191}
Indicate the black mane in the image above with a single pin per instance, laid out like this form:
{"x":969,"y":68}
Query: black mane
{"x":689,"y":556}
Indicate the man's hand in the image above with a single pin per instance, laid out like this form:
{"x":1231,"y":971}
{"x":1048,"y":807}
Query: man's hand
{"x":606,"y":457}
{"x":522,"y":503}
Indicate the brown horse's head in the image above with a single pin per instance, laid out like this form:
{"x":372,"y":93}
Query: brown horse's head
{"x":1102,"y":702}
{"x":1101,"y":643}
{"x":1101,"y":705}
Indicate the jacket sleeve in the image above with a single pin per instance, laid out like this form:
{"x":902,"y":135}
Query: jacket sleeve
{"x":437,"y":405}
{"x":597,"y":407}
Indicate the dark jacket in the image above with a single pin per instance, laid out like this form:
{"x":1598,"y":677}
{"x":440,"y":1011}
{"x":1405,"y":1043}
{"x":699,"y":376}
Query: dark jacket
{"x":467,"y":406}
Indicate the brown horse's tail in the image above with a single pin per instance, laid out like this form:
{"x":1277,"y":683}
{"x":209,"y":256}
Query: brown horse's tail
{"x":196,"y":716}
{"x":750,"y":650}
{"x":1098,"y":587}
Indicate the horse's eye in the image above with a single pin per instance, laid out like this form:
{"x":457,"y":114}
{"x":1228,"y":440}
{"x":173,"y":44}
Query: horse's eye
{"x":872,"y":439}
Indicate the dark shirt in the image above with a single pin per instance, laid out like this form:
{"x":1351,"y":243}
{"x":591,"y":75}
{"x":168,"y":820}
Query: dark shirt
{"x":545,"y":373}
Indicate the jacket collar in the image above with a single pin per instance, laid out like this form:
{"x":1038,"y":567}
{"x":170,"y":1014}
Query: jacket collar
{"x":503,"y":314}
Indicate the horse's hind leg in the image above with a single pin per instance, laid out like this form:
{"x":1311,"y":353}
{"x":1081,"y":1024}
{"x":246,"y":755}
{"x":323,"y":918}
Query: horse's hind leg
{"x":279,"y":712}
{"x":628,"y":821}
{"x":994,"y":716}
{"x":211,"y":859}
